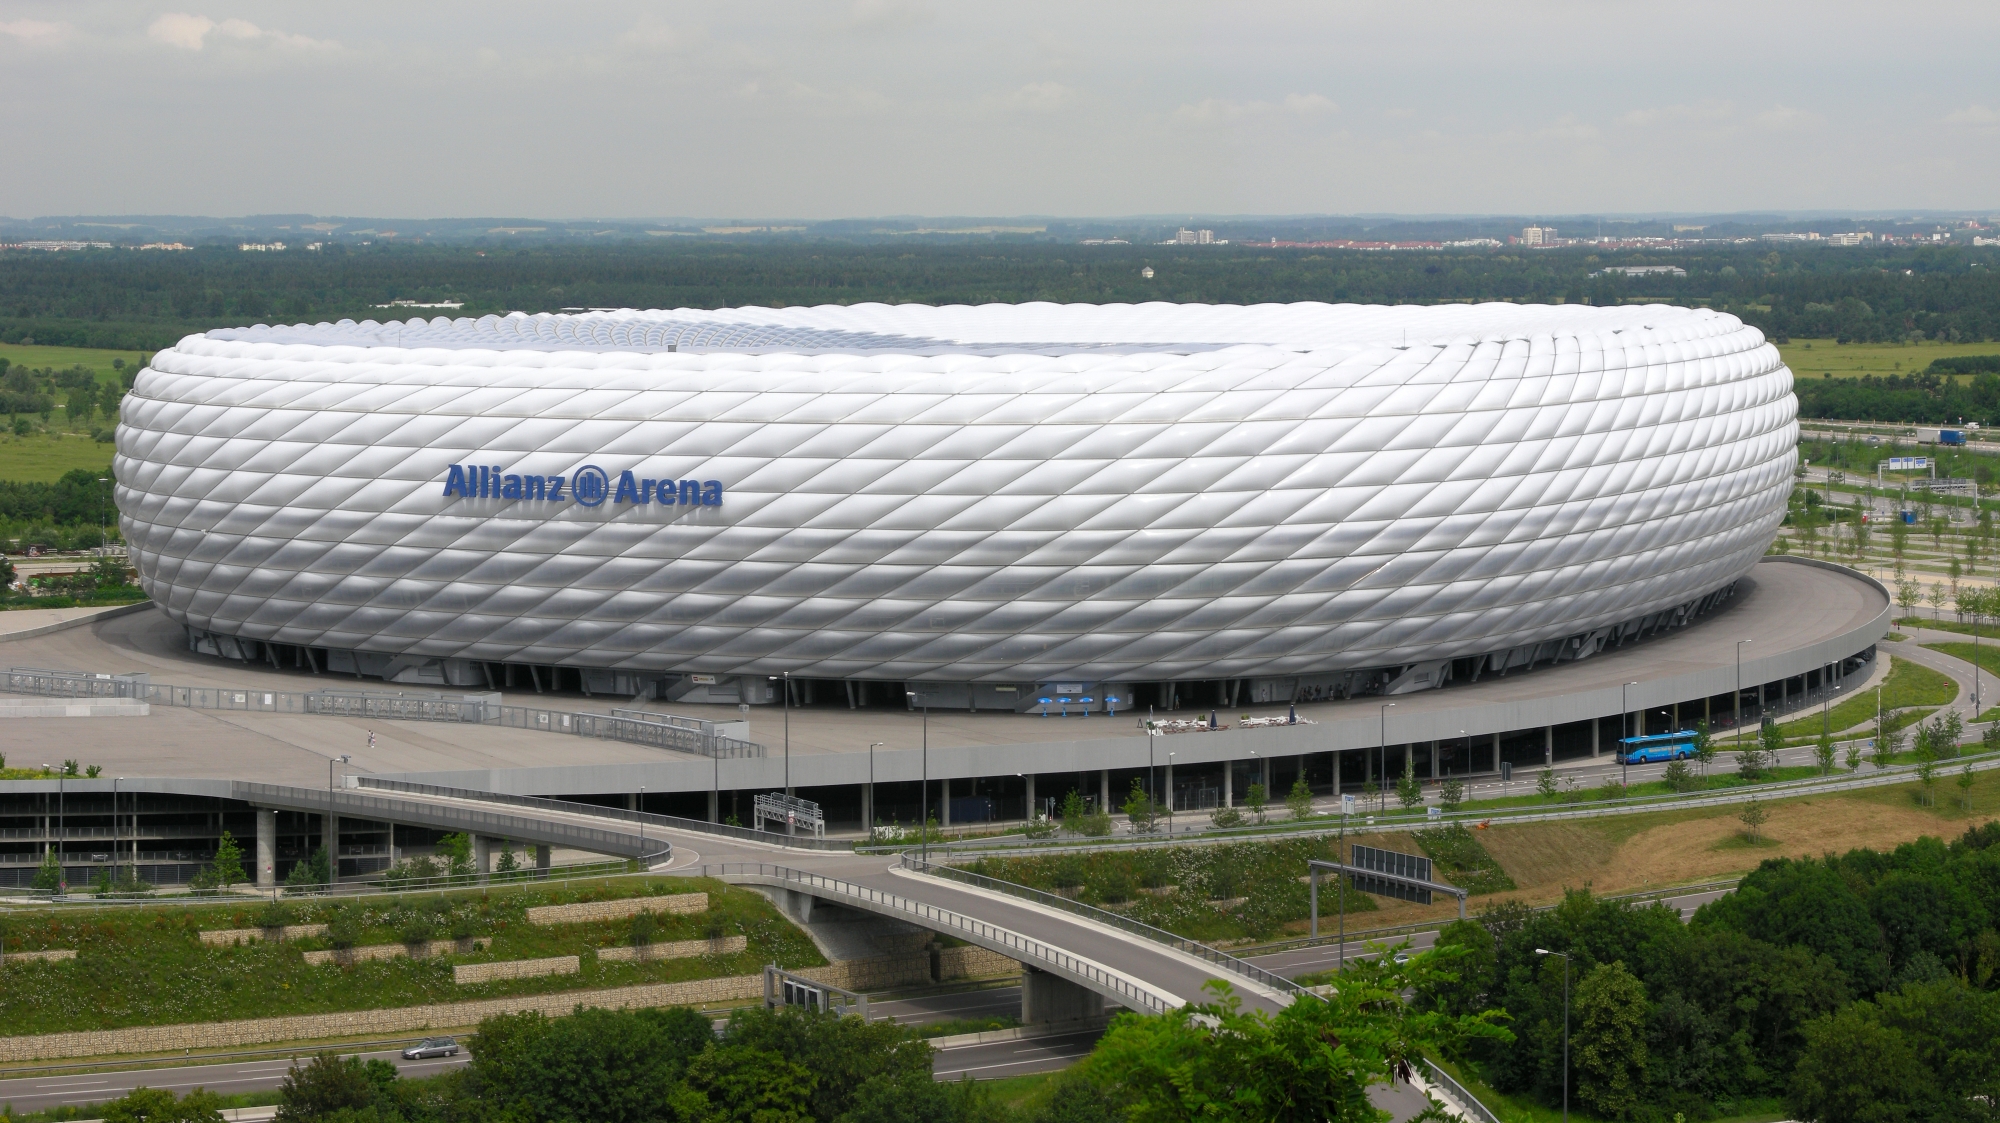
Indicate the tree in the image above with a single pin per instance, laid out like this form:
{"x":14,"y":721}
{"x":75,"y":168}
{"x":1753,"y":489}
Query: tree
{"x":506,"y":863}
{"x":1299,"y":801}
{"x":1451,"y":793}
{"x":1141,"y":809}
{"x":1073,"y":812}
{"x":1256,"y":799}
{"x":920,"y":1099}
{"x":1852,"y":758}
{"x":1965,"y":782}
{"x":49,"y":875}
{"x":228,"y":861}
{"x":1888,"y":740}
{"x":1823,"y":753}
{"x":1750,"y":762}
{"x":1772,"y":740}
{"x":1936,"y":598}
{"x":841,"y":1053}
{"x":1611,"y":1040}
{"x":1855,"y":1071}
{"x":1704,"y":747}
{"x":1312,"y":1061}
{"x":738,"y":1084}
{"x":1753,"y":815}
{"x":317,"y":869}
{"x":333,"y":1086}
{"x":1545,"y":783}
{"x":1926,"y":770}
{"x":1409,"y":790}
{"x":158,"y":1105}
{"x":613,"y":1066}
{"x":1908,"y":595}
{"x":456,"y":850}
{"x":1677,"y":776}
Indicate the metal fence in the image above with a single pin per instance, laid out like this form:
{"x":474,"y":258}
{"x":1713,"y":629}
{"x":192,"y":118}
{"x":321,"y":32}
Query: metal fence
{"x":1003,"y":940}
{"x":639,"y":727}
{"x":360,"y":804}
{"x":1201,"y":951}
{"x":544,"y":803}
{"x":1476,"y":1111}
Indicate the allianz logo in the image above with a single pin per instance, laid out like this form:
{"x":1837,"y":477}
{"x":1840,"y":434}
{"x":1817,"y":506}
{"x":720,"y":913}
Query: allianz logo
{"x":589,"y":486}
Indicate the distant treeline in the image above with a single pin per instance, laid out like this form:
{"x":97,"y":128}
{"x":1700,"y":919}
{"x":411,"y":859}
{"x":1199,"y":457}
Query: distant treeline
{"x":77,"y":498}
{"x":1964,"y":364}
{"x":130,"y":300}
{"x":1923,"y":398}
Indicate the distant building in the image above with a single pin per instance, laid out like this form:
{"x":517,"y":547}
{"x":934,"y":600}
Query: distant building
{"x":1538,"y":235}
{"x":1186,"y":237}
{"x":1809,"y":236}
{"x":1643,"y":270}
{"x":261,"y":247}
{"x":1689,"y":229}
{"x":1852,"y":238}
{"x":54,"y":247}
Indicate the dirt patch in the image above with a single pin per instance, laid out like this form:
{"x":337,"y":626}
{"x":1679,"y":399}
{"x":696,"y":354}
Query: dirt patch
{"x":1696,"y":849}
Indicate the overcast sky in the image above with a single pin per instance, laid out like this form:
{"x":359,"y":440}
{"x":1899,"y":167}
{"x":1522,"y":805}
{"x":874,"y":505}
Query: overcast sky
{"x":879,"y":107}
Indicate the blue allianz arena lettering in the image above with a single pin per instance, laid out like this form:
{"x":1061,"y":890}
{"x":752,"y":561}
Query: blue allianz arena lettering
{"x":589,"y":485}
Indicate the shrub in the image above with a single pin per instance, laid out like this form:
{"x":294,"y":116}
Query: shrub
{"x":644,"y":926}
{"x":1299,"y":801}
{"x":1227,"y":817}
{"x":1451,"y":793}
{"x":1679,"y":777}
{"x":343,"y":926}
{"x":274,"y":914}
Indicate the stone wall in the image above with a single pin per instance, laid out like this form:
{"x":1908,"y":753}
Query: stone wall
{"x":225,"y":937}
{"x":373,"y":1023}
{"x":362,"y":954}
{"x":466,"y":973}
{"x":38,"y":956}
{"x":674,"y":949}
{"x":619,"y":909}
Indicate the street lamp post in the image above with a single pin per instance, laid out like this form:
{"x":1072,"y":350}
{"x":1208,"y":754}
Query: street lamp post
{"x":1170,"y":796}
{"x":872,"y":816}
{"x":1565,"y":959}
{"x":1739,"y":693}
{"x":1624,"y":718}
{"x":1382,"y":760}
{"x":332,"y":827}
{"x":924,"y":799}
{"x":641,"y":809}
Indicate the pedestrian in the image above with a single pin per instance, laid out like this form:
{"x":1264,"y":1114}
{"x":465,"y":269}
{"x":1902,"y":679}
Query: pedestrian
{"x":371,"y":739}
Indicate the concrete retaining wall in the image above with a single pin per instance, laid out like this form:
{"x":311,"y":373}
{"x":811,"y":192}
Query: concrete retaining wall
{"x":225,"y":937}
{"x":376,"y":1023}
{"x":466,"y":973}
{"x":673,"y":949}
{"x":38,"y":956}
{"x":618,"y":910}
{"x":350,"y":956}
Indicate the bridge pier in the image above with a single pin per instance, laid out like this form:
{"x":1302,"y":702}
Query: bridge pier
{"x":329,"y":827}
{"x":541,"y":855}
{"x":482,"y":853}
{"x":1049,"y":998}
{"x":267,"y":848}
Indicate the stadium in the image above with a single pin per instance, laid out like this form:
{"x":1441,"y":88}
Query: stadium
{"x":1015,"y":506}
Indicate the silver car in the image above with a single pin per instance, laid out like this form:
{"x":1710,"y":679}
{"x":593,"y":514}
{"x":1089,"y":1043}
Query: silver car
{"x":432,"y":1047}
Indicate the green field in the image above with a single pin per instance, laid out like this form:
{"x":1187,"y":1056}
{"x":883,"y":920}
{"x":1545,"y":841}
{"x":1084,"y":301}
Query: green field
{"x":62,"y":358}
{"x":44,"y":457}
{"x":1907,"y":685}
{"x":1811,"y":358}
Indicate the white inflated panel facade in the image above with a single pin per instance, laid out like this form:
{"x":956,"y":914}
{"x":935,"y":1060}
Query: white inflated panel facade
{"x":971,"y":494}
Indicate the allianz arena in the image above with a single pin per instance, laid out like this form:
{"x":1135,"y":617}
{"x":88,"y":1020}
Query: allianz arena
{"x":997,"y":503}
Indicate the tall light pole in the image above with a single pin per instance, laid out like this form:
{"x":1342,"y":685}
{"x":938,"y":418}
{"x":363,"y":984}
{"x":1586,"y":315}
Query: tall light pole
{"x":332,"y":827}
{"x":1170,"y":797}
{"x":1382,"y":758}
{"x":1739,"y":693}
{"x":924,"y":804}
{"x":872,"y":816}
{"x":641,"y":809}
{"x":1565,"y":959}
{"x":1624,"y":717}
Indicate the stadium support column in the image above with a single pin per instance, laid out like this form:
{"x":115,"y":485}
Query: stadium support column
{"x":714,"y":806}
{"x":1229,"y":783}
{"x":541,"y":855}
{"x":1104,"y":789}
{"x":1548,"y":746}
{"x":1434,"y":759}
{"x":1596,"y":728}
{"x":1496,"y":754}
{"x":1028,"y":797}
{"x":1166,"y":793}
{"x":944,"y":803}
{"x":482,"y":853}
{"x":867,"y":806}
{"x":267,"y":847}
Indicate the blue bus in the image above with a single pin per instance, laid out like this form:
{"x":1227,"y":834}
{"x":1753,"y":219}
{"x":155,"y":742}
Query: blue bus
{"x":1657,"y":748}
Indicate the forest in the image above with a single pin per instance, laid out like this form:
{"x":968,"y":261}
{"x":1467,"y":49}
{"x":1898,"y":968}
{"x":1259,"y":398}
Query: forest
{"x":134,"y":300}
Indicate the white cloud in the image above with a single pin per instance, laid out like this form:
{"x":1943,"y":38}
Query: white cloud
{"x":1668,"y":114}
{"x":179,"y":29}
{"x":1213,"y":111}
{"x":652,"y":34}
{"x":1781,"y":118}
{"x":32,"y":30}
{"x":1037,"y":97}
{"x":190,"y":32}
{"x":1972,"y":115}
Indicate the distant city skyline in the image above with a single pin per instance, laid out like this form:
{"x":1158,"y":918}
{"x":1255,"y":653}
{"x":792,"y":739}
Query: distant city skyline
{"x":910,"y":107}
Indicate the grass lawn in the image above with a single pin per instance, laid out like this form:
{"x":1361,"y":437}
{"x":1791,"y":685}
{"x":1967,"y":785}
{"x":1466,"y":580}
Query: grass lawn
{"x":43,"y":457}
{"x":1947,"y":624}
{"x":63,"y":358}
{"x":145,"y":966}
{"x":1907,"y":685}
{"x":1814,"y":358}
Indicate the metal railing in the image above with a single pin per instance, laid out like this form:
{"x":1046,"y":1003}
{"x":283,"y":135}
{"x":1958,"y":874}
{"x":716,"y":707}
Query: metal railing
{"x":673,"y":822}
{"x":498,"y":824}
{"x":1195,"y":948}
{"x":1008,"y":942}
{"x":638,"y":727}
{"x":1479,"y":1111}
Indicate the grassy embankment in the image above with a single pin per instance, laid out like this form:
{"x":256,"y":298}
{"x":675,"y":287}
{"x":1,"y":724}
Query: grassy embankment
{"x":1613,"y":854}
{"x":146,"y":966}
{"x":1909,"y":687}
